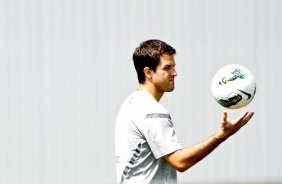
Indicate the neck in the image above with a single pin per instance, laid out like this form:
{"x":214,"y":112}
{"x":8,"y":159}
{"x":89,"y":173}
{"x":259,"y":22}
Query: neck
{"x":152,"y":90}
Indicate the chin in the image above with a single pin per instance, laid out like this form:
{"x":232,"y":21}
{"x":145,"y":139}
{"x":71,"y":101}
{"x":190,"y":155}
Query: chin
{"x":170,"y":90}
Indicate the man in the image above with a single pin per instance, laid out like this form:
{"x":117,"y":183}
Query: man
{"x":147,"y":148}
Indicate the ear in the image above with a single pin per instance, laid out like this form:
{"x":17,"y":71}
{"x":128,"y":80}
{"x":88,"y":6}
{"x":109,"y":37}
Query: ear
{"x":148,"y":72}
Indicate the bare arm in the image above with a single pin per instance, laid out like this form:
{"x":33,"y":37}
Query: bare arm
{"x":185,"y":158}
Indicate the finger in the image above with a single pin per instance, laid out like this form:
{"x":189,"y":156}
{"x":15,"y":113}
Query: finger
{"x":239,"y":120}
{"x":247,"y":118}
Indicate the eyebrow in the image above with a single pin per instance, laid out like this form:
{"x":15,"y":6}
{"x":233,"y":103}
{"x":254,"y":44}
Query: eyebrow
{"x":166,"y":65}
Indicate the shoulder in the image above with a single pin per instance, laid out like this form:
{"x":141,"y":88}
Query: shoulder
{"x":148,"y":103}
{"x":141,"y":104}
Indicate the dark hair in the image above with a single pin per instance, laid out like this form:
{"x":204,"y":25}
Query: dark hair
{"x":148,"y":55}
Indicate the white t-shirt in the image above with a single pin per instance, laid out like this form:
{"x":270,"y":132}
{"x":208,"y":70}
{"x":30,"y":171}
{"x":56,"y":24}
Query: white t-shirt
{"x":144,"y":133}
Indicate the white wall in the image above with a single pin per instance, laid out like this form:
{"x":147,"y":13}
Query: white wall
{"x":65,"y":67}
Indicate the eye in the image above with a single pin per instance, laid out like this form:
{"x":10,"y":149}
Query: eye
{"x":167,"y":67}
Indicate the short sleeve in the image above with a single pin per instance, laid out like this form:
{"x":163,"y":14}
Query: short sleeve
{"x":160,"y":134}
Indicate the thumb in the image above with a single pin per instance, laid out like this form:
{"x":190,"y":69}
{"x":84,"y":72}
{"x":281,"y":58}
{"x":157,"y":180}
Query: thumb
{"x":224,"y":118}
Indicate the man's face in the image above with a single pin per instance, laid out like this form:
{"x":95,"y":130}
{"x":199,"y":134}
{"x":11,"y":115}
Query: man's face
{"x":163,"y":78}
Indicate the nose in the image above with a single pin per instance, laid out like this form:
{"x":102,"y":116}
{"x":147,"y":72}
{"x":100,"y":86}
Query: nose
{"x":174,"y":73}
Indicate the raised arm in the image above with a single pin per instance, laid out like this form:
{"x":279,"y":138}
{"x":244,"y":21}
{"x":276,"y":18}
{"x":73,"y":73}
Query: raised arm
{"x":185,"y":158}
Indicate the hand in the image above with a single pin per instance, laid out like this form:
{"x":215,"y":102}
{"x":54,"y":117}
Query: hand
{"x":229,"y":128}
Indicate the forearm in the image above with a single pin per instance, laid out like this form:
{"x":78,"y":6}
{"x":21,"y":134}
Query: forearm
{"x":185,"y":158}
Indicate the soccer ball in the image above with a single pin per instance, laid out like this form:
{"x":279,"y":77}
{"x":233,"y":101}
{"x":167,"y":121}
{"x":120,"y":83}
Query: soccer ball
{"x":233,"y":86}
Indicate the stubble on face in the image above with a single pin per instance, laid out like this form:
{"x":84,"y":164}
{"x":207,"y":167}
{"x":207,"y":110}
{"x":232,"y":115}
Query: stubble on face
{"x":165,"y":74}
